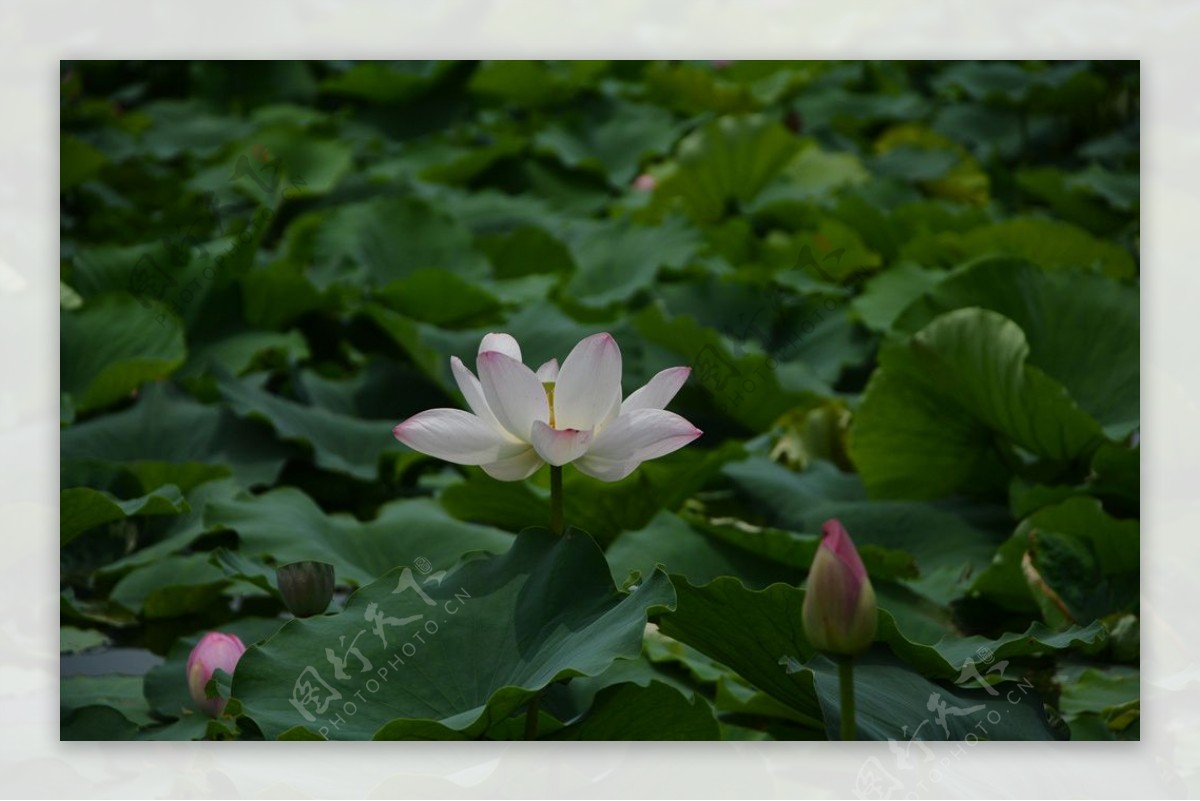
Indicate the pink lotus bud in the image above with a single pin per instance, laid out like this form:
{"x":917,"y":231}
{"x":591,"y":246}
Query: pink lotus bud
{"x":839,"y":603}
{"x":215,"y":651}
{"x":720,"y":64}
{"x":645,"y":182}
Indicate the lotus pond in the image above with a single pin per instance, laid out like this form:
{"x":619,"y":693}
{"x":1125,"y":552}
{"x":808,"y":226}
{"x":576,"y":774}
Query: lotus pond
{"x":600,"y":400}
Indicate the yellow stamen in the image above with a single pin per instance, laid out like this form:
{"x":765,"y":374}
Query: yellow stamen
{"x":549,"y":385}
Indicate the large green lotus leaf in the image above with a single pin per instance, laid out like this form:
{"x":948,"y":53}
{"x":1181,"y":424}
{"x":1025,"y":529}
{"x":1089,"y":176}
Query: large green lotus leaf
{"x":1094,"y":690}
{"x":151,"y":270}
{"x":1052,"y":244}
{"x":1121,"y":190}
{"x":729,"y":160}
{"x":987,"y":80}
{"x":463,"y":652}
{"x":1085,"y":563}
{"x":188,"y":127}
{"x":742,"y":386}
{"x":95,"y":722}
{"x":617,"y":260}
{"x":691,"y":89}
{"x":612,"y":136}
{"x":813,"y":174}
{"x":278,"y":294}
{"x":894,"y":703}
{"x":384,"y":82}
{"x":299,"y":163}
{"x":605,"y":509}
{"x":947,"y":549}
{"x":1116,"y":474}
{"x":681,"y":548}
{"x":279,"y":163}
{"x":285,"y":525}
{"x":888,"y":294}
{"x":535,"y":83}
{"x":386,"y":239}
{"x":241,"y":352}
{"x":846,"y":111}
{"x":83,"y":508}
{"x":750,"y":631}
{"x":73,"y":640}
{"x":797,"y":550}
{"x":167,"y":432}
{"x":1077,"y":198}
{"x":441,"y":298}
{"x":175,"y":586}
{"x":78,"y":161}
{"x":759,"y":634}
{"x":490,"y":211}
{"x":113,"y":345}
{"x":445,"y":162}
{"x":929,"y":420}
{"x":702,"y":551}
{"x":571,"y":701}
{"x":1083,"y":329}
{"x":183,"y":529}
{"x":341,"y":443}
{"x":655,"y":712}
{"x":122,"y":693}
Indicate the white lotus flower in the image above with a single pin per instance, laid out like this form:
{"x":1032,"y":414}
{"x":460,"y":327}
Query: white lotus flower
{"x":522,"y":419}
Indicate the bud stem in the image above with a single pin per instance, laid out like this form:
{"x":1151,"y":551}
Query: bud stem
{"x":556,"y":500}
{"x":531,"y":716}
{"x":846,"y":685}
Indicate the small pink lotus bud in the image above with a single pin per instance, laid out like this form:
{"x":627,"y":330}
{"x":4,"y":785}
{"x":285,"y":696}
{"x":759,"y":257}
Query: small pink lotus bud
{"x":215,"y":651}
{"x":645,"y":182}
{"x":839,"y":612}
{"x":720,"y":64}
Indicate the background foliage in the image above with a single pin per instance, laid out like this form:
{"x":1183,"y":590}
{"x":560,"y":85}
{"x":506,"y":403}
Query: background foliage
{"x":909,"y":293}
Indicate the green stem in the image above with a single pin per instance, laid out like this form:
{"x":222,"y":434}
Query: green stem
{"x":556,"y":500}
{"x":531,"y":714}
{"x":846,"y":684}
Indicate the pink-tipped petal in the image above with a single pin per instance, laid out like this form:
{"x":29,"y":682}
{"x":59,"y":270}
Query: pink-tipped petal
{"x":643,"y":434}
{"x":513,"y":393}
{"x":455,"y":436}
{"x":500,"y":343}
{"x":658,"y":391}
{"x":548,"y":372}
{"x":835,"y":538}
{"x":839,"y":612}
{"x":587,"y":384}
{"x":515,"y":468}
{"x":471,"y":389}
{"x":560,"y":445}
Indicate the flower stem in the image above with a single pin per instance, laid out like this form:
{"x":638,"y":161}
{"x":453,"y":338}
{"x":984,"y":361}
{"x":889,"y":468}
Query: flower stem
{"x":531,"y":716}
{"x":556,"y":500}
{"x":846,"y":685}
